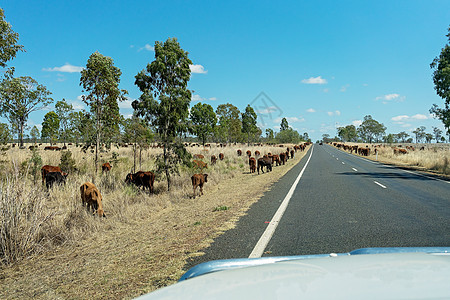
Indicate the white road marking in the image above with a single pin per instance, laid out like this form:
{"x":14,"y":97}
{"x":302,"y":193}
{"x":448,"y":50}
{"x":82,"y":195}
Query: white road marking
{"x":354,"y":170}
{"x":337,"y":158}
{"x":380,"y":184}
{"x":268,"y":233}
{"x":343,"y":163}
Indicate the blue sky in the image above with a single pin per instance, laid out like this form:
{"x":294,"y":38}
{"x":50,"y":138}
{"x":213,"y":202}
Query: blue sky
{"x":320,"y":64}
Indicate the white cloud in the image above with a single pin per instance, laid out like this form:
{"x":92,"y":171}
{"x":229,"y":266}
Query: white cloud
{"x":126,"y":103}
{"x":404,"y":118}
{"x":198,"y":69}
{"x":77,"y":106}
{"x":356,"y":123}
{"x":266,"y":110}
{"x":315,"y":80}
{"x":80,"y":98}
{"x":334,"y":113}
{"x":67,"y":68}
{"x":390,"y":97}
{"x":290,"y":119}
{"x":196,"y":97}
{"x":311,"y":110}
{"x":147,"y":47}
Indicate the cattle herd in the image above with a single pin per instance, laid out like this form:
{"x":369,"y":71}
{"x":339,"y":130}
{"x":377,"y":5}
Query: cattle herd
{"x":368,"y":149}
{"x":91,"y":197}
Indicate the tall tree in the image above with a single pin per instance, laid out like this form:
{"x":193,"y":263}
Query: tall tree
{"x":8,"y":41}
{"x":19,"y":97}
{"x":50,"y":127}
{"x":437,"y":134}
{"x":230,"y":125}
{"x":101,"y":80}
{"x":419,"y":133}
{"x":347,"y":133}
{"x":165,"y":102}
{"x":371,"y":130}
{"x":288,"y":136}
{"x":63,"y":110}
{"x":34,"y":133}
{"x":203,"y":120}
{"x":269,"y":135}
{"x":249,"y":122}
{"x":441,"y":79}
{"x":284,"y":124}
{"x":401,"y":137}
{"x":82,"y":127}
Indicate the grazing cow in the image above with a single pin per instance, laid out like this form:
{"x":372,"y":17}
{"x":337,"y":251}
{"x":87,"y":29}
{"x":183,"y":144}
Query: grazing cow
{"x":54,"y":177}
{"x":52,"y":148}
{"x":106,"y":167}
{"x":283,"y":157}
{"x":47,"y":169}
{"x":252,"y":164}
{"x":221,"y":156}
{"x":141,"y":178}
{"x":91,"y":197}
{"x":198,"y":180}
{"x":276,"y":159}
{"x":239,"y":152}
{"x":249,"y":153}
{"x":213,"y":159}
{"x":292,"y":154}
{"x":200,"y":164}
{"x":198,"y":156}
{"x":264,"y":162}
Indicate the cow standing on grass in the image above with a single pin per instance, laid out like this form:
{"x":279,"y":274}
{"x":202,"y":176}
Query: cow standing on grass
{"x":264,"y":162}
{"x":141,"y":178}
{"x":252,"y":164}
{"x":91,"y":197}
{"x":54,"y":177}
{"x":47,"y":169}
{"x":106,"y":167}
{"x":198,"y":180}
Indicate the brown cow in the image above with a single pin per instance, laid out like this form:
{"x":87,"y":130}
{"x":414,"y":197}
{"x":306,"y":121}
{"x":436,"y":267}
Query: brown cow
{"x":141,"y":178}
{"x":257,"y":153}
{"x":249,"y":153}
{"x":239,"y":152}
{"x":283,"y":157}
{"x":213,"y":159}
{"x":292,"y":154}
{"x":198,"y":156}
{"x":198,"y":180}
{"x":276,"y":159}
{"x":200,"y":164}
{"x":252,"y":164}
{"x":264,"y":162}
{"x":91,"y":197}
{"x":106,"y":167}
{"x":221,"y":156}
{"x":47,"y":169}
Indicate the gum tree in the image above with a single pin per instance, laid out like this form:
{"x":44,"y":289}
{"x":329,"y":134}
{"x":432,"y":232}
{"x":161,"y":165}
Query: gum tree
{"x":8,"y":41}
{"x":249,"y":123}
{"x":441,"y":80}
{"x":19,"y":97}
{"x":165,"y":102}
{"x":203,"y":119}
{"x":100,"y":79}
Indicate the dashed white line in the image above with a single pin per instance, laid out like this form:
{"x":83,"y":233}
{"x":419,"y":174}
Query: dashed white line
{"x":343,"y":163}
{"x":354,"y":170}
{"x":268,"y":233}
{"x":380,"y":184}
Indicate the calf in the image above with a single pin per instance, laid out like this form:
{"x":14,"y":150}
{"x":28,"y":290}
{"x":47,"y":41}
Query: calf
{"x":91,"y":197}
{"x":47,"y":169}
{"x":198,"y":180}
{"x":264,"y":162}
{"x":213,"y":159}
{"x":252,"y":164}
{"x":54,"y":177}
{"x":106,"y":167}
{"x":141,"y":178}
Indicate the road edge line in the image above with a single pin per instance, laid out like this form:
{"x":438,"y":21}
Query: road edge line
{"x":261,"y":245}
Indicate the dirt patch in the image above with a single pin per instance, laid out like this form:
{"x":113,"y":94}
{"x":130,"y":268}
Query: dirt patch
{"x":143,"y":253}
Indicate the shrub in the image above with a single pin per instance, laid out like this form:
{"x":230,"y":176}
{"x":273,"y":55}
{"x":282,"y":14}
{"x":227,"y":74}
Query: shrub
{"x":67,"y":162}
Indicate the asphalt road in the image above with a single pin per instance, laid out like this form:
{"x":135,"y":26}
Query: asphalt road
{"x":341,"y":203}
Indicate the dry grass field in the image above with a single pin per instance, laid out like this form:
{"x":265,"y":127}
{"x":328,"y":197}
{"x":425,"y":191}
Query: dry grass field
{"x":433,"y":158}
{"x":52,"y":248}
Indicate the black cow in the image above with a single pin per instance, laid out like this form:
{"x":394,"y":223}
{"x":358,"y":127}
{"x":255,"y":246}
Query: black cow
{"x":265,"y":162}
{"x":141,"y":178}
{"x":54,"y":177}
